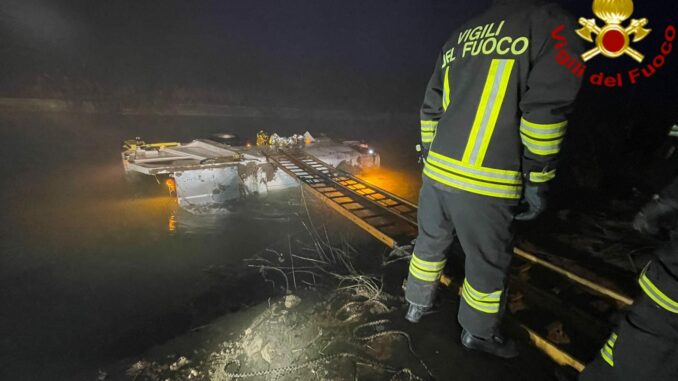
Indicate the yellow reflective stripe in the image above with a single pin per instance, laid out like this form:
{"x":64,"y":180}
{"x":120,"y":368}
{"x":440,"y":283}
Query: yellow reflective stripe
{"x":479,"y":306}
{"x":484,"y":304}
{"x":542,"y":177}
{"x":542,"y":137}
{"x":541,"y":147}
{"x":488,"y":111}
{"x":540,"y":126}
{"x":607,"y":357}
{"x":480,"y":111}
{"x":606,"y":351}
{"x":477,"y":187}
{"x":657,"y":295}
{"x":446,"y":89}
{"x":475,"y":171}
{"x":422,"y":274}
{"x":426,"y":270}
{"x":428,"y":265}
{"x":490,"y":297}
{"x":543,"y":133}
{"x":492,"y":122}
{"x":428,"y":130}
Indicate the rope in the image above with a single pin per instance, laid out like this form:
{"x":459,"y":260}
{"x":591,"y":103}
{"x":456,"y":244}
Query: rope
{"x":361,"y":339}
{"x":295,"y":368}
{"x":388,"y":333}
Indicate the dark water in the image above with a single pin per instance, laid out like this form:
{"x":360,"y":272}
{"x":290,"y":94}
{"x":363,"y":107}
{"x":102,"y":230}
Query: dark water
{"x":91,"y":272}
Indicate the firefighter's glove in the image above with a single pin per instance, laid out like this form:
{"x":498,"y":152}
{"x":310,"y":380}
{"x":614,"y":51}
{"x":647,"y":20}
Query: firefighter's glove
{"x":534,"y":201}
{"x":656,"y":216}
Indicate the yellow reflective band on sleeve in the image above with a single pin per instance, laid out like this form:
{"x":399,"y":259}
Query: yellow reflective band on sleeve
{"x":483,"y":302}
{"x":542,"y":177}
{"x":429,"y":123}
{"x":542,"y":139}
{"x":428,"y":130}
{"x":426,"y":270}
{"x":657,"y":295}
{"x":446,"y":89}
{"x":541,"y":147}
{"x":488,"y":111}
{"x":607,"y":351}
{"x":551,"y":130}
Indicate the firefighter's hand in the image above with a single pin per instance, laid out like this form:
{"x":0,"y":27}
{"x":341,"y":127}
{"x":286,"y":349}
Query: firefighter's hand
{"x":533,"y":203}
{"x":423,"y":153}
{"x":655,"y":216}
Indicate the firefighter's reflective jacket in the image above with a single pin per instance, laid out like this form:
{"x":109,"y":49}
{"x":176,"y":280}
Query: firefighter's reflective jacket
{"x":659,"y":280}
{"x":495,"y":108}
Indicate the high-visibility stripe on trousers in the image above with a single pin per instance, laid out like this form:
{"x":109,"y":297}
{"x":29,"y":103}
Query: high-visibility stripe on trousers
{"x":607,"y":351}
{"x":426,"y":271}
{"x":643,"y":347}
{"x":483,"y":227}
{"x":488,"y":303}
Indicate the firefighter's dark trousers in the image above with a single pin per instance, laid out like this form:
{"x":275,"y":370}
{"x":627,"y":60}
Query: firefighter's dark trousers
{"x":640,"y":348}
{"x":645,"y":345}
{"x":484,"y":228}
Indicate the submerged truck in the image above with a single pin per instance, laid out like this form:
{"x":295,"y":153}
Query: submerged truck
{"x":222,"y":169}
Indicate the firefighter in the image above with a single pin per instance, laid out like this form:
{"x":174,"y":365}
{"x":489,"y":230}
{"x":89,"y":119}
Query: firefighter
{"x":645,"y":344}
{"x":492,"y":124}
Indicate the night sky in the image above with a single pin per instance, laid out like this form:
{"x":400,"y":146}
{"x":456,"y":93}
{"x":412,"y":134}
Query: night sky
{"x":364,"y":55}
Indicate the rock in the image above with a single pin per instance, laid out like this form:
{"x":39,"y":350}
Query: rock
{"x":180,"y":363}
{"x":292,"y":301}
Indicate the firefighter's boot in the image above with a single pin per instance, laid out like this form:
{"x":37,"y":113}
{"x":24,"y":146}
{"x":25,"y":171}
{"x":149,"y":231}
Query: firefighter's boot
{"x":415,"y":313}
{"x":496,"y":345}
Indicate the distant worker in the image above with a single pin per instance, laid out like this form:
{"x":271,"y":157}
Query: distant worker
{"x":492,"y":124}
{"x":645,"y":344}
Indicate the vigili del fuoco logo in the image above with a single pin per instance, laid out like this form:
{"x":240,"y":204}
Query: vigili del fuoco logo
{"x":613,"y":40}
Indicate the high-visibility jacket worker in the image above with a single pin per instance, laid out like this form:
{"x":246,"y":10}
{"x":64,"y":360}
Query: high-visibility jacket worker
{"x":645,"y":344}
{"x":492,"y":124}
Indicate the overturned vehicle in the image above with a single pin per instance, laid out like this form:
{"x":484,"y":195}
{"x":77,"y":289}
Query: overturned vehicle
{"x":218,"y":171}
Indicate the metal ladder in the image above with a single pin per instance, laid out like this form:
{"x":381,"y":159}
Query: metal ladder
{"x":389,"y":218}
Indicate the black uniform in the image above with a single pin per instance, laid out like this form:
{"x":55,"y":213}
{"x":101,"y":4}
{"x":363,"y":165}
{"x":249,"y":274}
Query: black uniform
{"x":645,"y":345}
{"x":494,"y":116}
